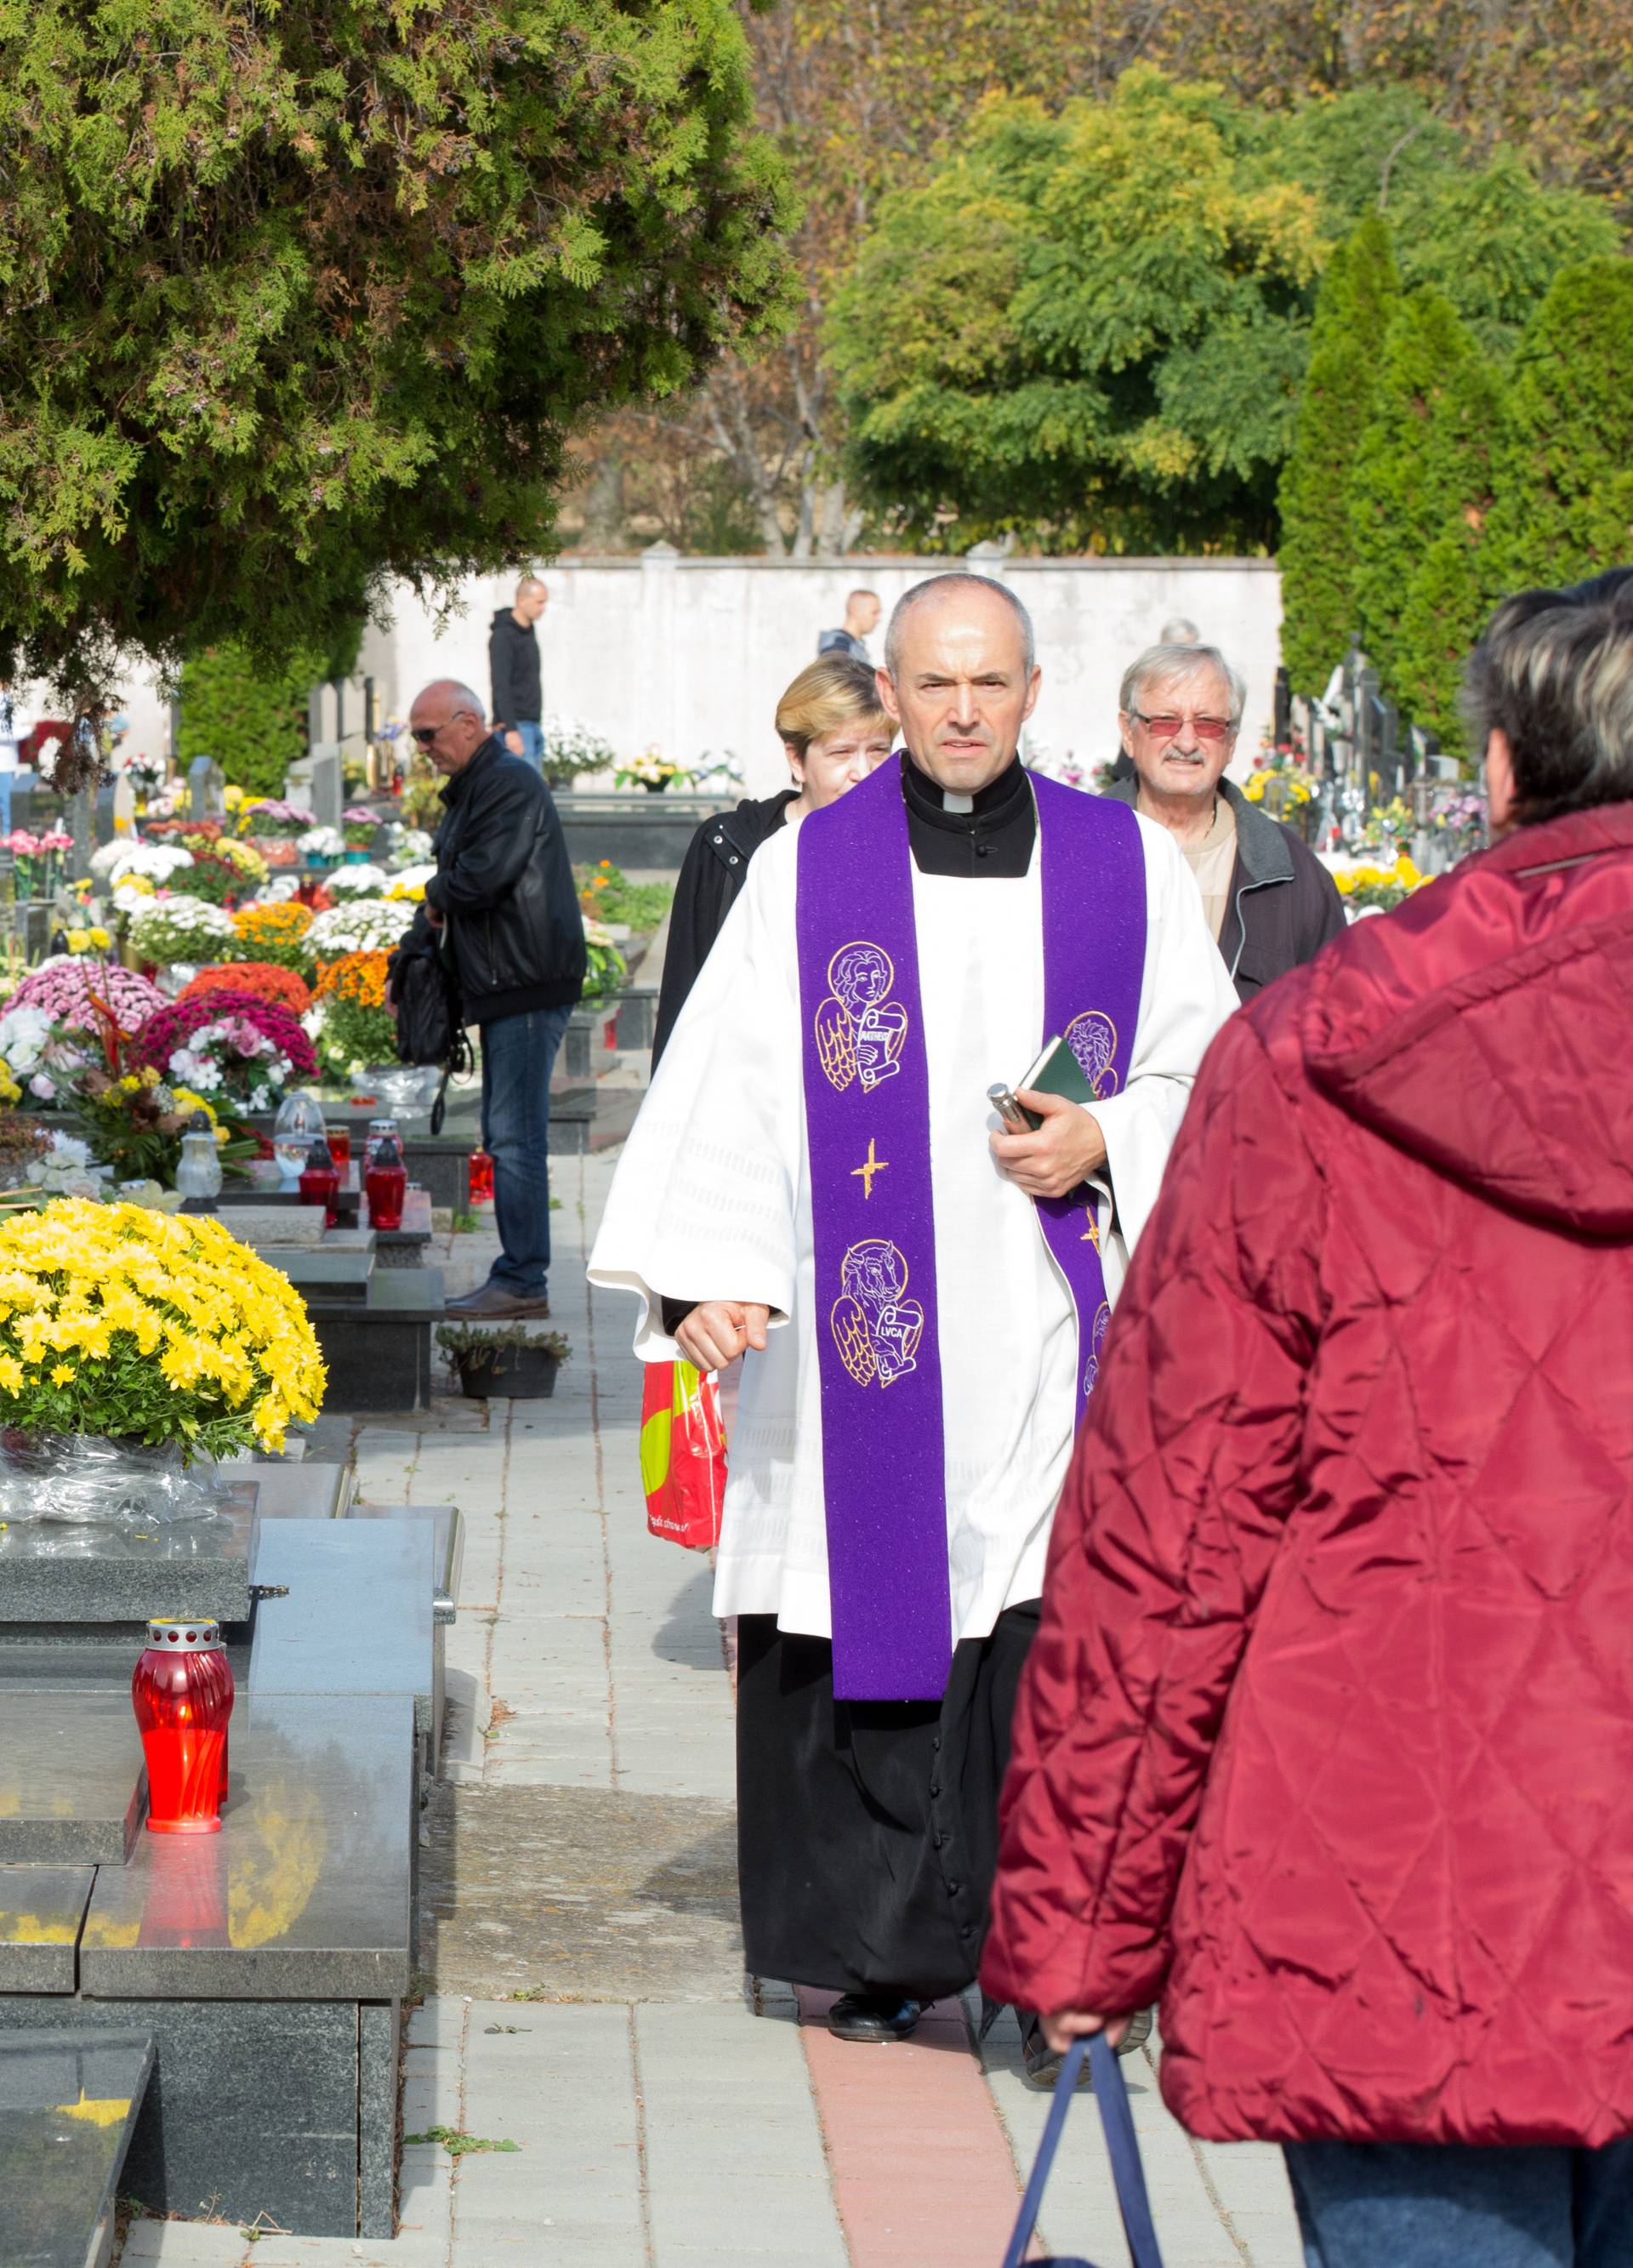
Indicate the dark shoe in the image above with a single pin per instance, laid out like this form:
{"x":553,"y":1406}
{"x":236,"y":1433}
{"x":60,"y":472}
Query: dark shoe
{"x":873,"y":2016}
{"x":493,"y":1303}
{"x":1042,"y":2064}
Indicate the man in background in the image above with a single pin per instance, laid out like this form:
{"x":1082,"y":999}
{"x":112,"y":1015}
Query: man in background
{"x":1270,"y":901}
{"x":517,"y":679}
{"x":861,"y":620}
{"x":504,"y":902}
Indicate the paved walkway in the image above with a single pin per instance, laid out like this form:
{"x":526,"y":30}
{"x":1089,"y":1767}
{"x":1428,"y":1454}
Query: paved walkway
{"x":583,"y":1978}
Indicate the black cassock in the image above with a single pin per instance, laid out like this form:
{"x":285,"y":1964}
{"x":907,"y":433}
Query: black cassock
{"x":867,"y":1830}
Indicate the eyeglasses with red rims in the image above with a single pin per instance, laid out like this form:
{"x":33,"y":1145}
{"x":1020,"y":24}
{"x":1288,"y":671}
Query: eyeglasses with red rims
{"x":1168,"y":728}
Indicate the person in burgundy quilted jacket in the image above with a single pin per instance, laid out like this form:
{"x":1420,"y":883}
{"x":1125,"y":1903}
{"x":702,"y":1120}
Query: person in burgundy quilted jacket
{"x":1327,"y":1732}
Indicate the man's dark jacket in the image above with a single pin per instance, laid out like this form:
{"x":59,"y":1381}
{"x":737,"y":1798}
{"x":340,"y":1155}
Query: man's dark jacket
{"x":712,"y":874}
{"x":505,"y":887}
{"x":513,"y":660}
{"x":1284,"y":905}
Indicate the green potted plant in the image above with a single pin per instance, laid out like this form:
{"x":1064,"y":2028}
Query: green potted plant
{"x":504,"y":1362}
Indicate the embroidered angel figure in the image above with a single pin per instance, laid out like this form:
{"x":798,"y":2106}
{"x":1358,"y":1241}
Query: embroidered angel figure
{"x":860,"y":1031}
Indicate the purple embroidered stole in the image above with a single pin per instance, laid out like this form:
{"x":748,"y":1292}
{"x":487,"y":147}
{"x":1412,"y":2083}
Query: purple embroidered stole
{"x":867,"y":1120}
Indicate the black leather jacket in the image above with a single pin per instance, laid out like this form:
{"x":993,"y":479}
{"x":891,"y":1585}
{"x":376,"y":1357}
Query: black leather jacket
{"x":504,"y":885}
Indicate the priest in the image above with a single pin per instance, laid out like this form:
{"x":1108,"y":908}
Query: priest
{"x":817,"y":1178}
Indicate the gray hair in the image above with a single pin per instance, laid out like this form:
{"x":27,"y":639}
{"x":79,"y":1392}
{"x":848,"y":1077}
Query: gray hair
{"x":1178,"y":665}
{"x":933,"y":587}
{"x":1553,"y":672}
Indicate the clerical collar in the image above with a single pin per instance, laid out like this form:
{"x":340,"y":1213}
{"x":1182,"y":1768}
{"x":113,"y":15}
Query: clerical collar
{"x":945,"y":808}
{"x":990,"y":842}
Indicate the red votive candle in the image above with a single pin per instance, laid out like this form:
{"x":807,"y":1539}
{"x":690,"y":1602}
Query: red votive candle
{"x":386,"y":1184}
{"x":339,"y":1139}
{"x":319,"y":1183}
{"x":181,"y":1691}
{"x":481,"y":1181}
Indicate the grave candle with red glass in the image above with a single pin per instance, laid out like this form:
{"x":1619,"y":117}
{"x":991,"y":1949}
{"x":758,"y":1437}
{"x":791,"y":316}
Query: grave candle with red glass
{"x":387,"y":1182}
{"x":319,"y":1183}
{"x":182,"y":1693}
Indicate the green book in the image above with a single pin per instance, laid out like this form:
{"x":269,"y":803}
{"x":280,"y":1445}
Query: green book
{"x":1056,"y":1072}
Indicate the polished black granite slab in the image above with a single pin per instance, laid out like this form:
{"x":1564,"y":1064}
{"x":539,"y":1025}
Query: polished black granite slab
{"x":380,"y":1357}
{"x":70,"y":1571}
{"x":339,"y":1277}
{"x":357,"y":1616}
{"x":67,"y":2110}
{"x":40,"y":1910}
{"x":254,"y":2107}
{"x":95,"y":1658}
{"x":306,"y":1892}
{"x":72,"y":1787}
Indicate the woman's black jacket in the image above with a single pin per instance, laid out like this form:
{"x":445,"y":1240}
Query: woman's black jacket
{"x":711,"y":874}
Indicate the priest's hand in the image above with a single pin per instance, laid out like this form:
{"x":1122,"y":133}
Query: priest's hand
{"x":1064,"y":1151}
{"x":715,"y":1334}
{"x":1069,"y":2024}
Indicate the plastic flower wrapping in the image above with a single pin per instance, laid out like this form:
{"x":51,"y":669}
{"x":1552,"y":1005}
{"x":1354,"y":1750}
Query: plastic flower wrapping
{"x":180,"y":927}
{"x":265,"y":978}
{"x":148,"y":1328}
{"x":236,"y":1049}
{"x":72,"y":989}
{"x":365,"y":925}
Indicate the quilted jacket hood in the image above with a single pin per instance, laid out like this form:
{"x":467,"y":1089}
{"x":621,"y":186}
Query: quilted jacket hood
{"x":1484,"y":1027}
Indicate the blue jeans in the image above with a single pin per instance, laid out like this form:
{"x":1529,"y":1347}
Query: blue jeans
{"x":531,"y":738}
{"x":1454,"y":2205}
{"x":518,"y":1056}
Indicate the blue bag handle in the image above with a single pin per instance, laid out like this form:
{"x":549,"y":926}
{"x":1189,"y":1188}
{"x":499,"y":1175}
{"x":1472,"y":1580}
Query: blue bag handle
{"x":1122,"y":2145}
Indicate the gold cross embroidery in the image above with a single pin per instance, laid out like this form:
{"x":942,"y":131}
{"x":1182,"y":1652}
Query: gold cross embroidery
{"x":1091,"y":1234}
{"x":870,"y":1165}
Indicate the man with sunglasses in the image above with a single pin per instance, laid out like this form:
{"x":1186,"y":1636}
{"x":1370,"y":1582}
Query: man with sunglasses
{"x":502,"y":897}
{"x":1270,"y":901}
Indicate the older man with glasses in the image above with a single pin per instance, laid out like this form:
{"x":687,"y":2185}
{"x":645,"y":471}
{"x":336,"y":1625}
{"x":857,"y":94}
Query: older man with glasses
{"x":1270,"y":901}
{"x":503,"y":901}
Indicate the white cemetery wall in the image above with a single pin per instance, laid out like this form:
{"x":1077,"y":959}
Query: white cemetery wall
{"x":692,"y":654}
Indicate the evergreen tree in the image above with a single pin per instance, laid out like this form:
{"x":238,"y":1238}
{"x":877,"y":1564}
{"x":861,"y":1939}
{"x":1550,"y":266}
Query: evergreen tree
{"x":1423,"y":470}
{"x":1565,"y":476}
{"x":1353,"y":309}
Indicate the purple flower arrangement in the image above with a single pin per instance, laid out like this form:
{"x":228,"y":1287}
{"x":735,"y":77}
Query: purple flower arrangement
{"x":62,"y":986}
{"x":173,"y":1027}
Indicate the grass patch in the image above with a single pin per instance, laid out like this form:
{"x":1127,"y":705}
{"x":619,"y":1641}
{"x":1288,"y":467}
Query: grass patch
{"x":456,"y":2143}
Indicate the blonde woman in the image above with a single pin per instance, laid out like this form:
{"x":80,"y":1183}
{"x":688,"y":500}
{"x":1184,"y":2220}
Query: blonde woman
{"x":834,"y":733}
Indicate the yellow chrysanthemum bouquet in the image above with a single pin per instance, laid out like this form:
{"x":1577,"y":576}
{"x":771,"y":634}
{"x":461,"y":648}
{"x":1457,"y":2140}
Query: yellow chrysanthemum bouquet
{"x":148,"y":1329}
